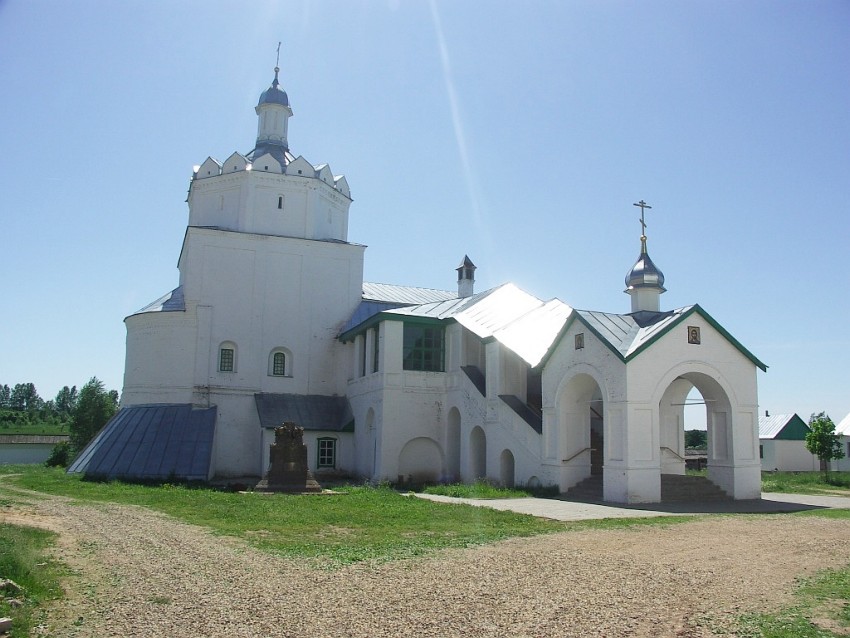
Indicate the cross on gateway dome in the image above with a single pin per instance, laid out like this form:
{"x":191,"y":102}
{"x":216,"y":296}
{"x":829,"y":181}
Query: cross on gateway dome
{"x":642,"y":205}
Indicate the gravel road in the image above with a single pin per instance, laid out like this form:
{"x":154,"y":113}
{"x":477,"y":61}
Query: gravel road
{"x":138,"y":573}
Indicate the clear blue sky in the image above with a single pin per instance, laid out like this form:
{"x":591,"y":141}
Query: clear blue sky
{"x":519,"y":133}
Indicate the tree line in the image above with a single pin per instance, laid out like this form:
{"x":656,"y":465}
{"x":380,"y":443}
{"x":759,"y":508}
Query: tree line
{"x":84,"y":412}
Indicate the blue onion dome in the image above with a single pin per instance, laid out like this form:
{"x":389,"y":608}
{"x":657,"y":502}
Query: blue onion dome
{"x":274,"y":94}
{"x":644,"y":273}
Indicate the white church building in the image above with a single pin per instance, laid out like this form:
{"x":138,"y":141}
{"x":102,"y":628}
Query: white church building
{"x":271,"y":321}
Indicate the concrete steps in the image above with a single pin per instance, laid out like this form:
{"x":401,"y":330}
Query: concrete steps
{"x":675,"y":488}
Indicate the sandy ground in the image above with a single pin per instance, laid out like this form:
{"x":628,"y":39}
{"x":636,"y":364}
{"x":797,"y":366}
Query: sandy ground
{"x":139,"y":573}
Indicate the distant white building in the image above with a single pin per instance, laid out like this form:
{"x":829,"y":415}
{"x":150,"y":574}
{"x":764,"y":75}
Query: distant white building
{"x":271,"y":321}
{"x":843,"y":429}
{"x":782,"y":444}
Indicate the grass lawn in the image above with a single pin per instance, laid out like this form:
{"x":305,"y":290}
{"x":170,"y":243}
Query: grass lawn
{"x":41,"y":428}
{"x":24,"y":560}
{"x":359,"y":523}
{"x":806,"y":483}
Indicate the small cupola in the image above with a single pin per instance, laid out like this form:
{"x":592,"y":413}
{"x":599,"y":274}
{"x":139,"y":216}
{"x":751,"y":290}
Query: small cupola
{"x":465,"y":278}
{"x":273,"y":113}
{"x":645,"y":281}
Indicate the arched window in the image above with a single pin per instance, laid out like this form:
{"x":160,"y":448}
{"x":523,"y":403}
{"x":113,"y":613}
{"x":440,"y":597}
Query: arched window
{"x":280,"y":363}
{"x":280,"y":202}
{"x":227,"y":357}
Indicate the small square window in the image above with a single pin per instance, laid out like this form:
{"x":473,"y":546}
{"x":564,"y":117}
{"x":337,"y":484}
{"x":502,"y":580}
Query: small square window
{"x":693,"y":335}
{"x":580,"y":341}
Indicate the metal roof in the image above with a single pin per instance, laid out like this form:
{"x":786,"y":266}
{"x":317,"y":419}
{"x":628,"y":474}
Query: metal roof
{"x":843,"y":428}
{"x":782,"y":426}
{"x":151,"y":442}
{"x":407,"y":295}
{"x":310,"y":411}
{"x":169,"y":302}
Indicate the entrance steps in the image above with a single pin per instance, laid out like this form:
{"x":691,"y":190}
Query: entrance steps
{"x":678,"y":488}
{"x":675,"y":488}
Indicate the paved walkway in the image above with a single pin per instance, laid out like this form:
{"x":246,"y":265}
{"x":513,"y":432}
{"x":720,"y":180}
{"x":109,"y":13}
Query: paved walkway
{"x":563,"y":510}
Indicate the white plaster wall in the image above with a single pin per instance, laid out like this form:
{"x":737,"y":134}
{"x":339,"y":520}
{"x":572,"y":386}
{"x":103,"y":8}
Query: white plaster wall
{"x":787,"y":456}
{"x":733,"y":455}
{"x":160,"y":358}
{"x":247,"y":201}
{"x":565,"y":446}
{"x":272,"y":292}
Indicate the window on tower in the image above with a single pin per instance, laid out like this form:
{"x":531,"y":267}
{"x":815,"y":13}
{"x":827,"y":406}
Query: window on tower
{"x":280,"y":363}
{"x":227,"y":358}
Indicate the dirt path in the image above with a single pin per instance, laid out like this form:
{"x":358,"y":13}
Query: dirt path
{"x":143,"y":574}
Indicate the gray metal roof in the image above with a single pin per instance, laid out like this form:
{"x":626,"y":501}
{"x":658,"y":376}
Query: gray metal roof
{"x":627,"y":333}
{"x":407,"y":295}
{"x":274,"y":94}
{"x":169,"y":302}
{"x":310,"y":411}
{"x":151,"y":442}
{"x":645,"y":274}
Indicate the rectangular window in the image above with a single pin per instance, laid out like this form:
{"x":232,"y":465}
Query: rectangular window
{"x":375,"y":349}
{"x":761,"y":451}
{"x":424,"y":348}
{"x":327,"y":453}
{"x":225,"y":361}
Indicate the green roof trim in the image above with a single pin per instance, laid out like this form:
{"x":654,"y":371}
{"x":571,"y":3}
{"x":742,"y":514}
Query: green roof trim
{"x":388,"y":315}
{"x":575,"y":316}
{"x":696,"y":308}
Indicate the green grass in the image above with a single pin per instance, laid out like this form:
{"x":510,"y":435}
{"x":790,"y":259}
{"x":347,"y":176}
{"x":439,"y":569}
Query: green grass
{"x":822,"y":610}
{"x":479,"y":489}
{"x":24,"y":559}
{"x":806,"y":483}
{"x":357,"y":524}
{"x":35,"y":428}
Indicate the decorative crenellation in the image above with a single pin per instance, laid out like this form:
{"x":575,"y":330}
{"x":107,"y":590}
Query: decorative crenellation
{"x":297,"y":167}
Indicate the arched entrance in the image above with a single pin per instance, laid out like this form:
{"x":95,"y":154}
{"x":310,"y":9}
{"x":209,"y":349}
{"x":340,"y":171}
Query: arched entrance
{"x":581,"y":430}
{"x":477,"y":453}
{"x":506,"y":468}
{"x":420,"y":461}
{"x":683,"y":397}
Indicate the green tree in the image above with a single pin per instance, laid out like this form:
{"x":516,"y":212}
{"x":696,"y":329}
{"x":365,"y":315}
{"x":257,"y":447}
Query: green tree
{"x":95,"y":406}
{"x":696,"y":439}
{"x":24,"y":398}
{"x":823,"y":442}
{"x":66,"y":400}
{"x":5,"y":396}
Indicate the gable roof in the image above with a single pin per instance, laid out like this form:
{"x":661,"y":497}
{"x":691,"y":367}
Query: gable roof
{"x":527,"y":325}
{"x":783,"y":427}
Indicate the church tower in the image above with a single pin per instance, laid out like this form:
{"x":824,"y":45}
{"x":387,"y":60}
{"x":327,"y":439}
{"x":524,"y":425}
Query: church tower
{"x":645,"y":282}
